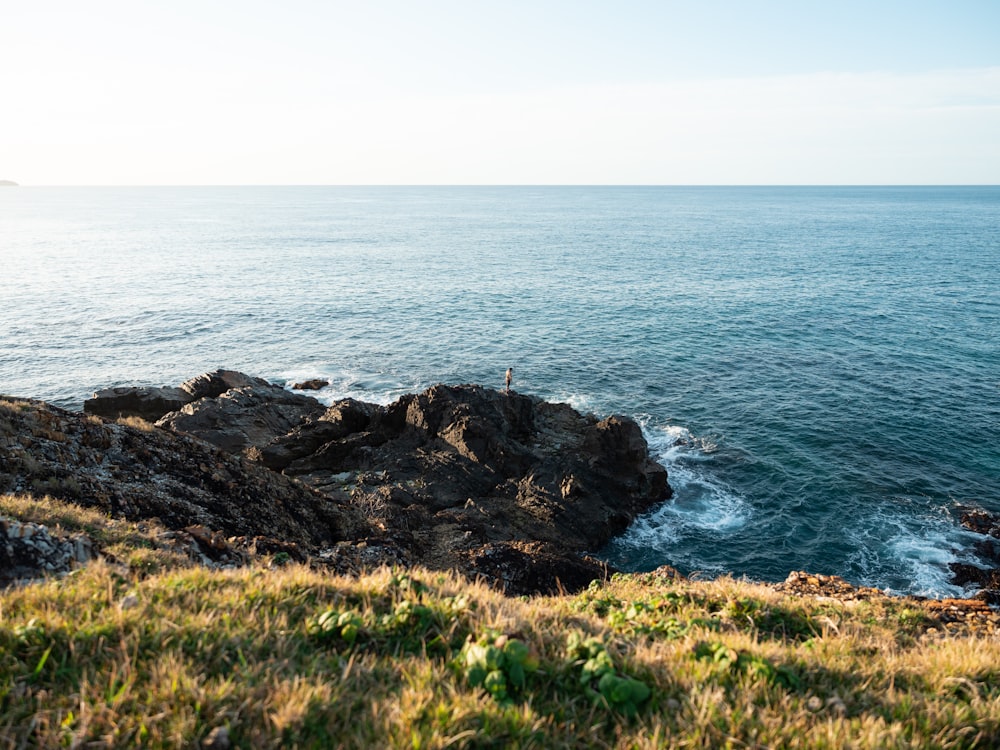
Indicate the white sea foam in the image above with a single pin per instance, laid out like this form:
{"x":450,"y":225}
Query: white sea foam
{"x":376,"y":388}
{"x":908,"y":553}
{"x":700,"y":503}
{"x":581,"y":402}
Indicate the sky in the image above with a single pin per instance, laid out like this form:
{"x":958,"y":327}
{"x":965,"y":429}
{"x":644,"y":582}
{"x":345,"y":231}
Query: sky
{"x":215,"y":92}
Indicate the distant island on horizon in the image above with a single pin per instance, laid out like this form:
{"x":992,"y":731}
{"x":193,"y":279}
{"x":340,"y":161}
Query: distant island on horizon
{"x":8,"y":183}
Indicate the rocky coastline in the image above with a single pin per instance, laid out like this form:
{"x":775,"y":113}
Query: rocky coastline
{"x":499,"y":486}
{"x":496,"y":485}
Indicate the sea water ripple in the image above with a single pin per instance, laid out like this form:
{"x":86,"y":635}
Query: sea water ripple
{"x":818,"y":367}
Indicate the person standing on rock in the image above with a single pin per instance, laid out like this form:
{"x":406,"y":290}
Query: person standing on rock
{"x":508,"y":377}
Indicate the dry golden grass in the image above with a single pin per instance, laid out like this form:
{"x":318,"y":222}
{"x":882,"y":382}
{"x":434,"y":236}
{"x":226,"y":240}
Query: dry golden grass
{"x":138,"y":546}
{"x":137,"y":422}
{"x":104,"y":658}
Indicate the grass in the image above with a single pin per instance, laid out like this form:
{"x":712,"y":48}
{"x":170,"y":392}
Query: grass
{"x":285,"y":656}
{"x":137,"y":422}
{"x":139,"y":547}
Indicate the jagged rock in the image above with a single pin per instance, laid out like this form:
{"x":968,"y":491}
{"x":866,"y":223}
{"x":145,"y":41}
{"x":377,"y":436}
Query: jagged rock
{"x":214,"y":384}
{"x":352,"y":415}
{"x":136,"y":474}
{"x":964,"y":574}
{"x":833,"y":587}
{"x":226,"y":408}
{"x":981,"y":522}
{"x":152,"y":403}
{"x":243,"y":417}
{"x":340,"y":420}
{"x":353,"y":558}
{"x":518,"y":568}
{"x":491,"y":483}
{"x":987,"y":550}
{"x":130,"y":401}
{"x":310,"y":385}
{"x":458,"y":467}
{"x":206,"y":547}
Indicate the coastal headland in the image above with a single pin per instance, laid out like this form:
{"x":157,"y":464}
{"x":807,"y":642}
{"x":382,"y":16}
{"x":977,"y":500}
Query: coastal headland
{"x":492,"y":484}
{"x":230,"y":563}
{"x":496,"y":485}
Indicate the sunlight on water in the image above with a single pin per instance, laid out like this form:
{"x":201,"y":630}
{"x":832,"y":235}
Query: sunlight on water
{"x":816,"y":367}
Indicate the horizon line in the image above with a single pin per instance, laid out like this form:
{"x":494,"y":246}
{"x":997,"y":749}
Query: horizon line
{"x":12,"y":183}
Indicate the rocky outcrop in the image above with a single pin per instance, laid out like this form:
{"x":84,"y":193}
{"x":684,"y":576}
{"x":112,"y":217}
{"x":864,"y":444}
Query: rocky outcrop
{"x":981,"y":522}
{"x":459,"y":474}
{"x":518,"y":568}
{"x":228,"y":409}
{"x":951,"y":615}
{"x":499,"y":485}
{"x":152,"y":473}
{"x":151,"y":403}
{"x":310,"y":385}
{"x":129,"y":401}
{"x":985,"y":575}
{"x":243,"y":417}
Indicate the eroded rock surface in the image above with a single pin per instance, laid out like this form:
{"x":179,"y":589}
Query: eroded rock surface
{"x":151,"y":403}
{"x":147,"y":403}
{"x":985,"y":575}
{"x":243,"y":417}
{"x":456,"y":468}
{"x":496,"y":484}
{"x":136,"y":474}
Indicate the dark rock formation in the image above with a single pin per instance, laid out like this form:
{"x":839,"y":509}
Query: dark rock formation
{"x":981,"y":522}
{"x":310,"y":385}
{"x":129,"y":401}
{"x":29,"y":550}
{"x":987,"y":575}
{"x":495,"y":484}
{"x":212,"y":384}
{"x":964,"y":574}
{"x":151,"y":403}
{"x":457,"y":471}
{"x":518,"y":568}
{"x":136,"y":474}
{"x":242,"y":417}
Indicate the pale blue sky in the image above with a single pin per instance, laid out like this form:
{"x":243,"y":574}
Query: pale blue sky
{"x":380,"y":92}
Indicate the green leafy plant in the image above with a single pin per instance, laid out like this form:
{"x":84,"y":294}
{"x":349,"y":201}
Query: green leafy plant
{"x":407,"y":583}
{"x":734,"y":662}
{"x":600,"y":679}
{"x":410,"y":619}
{"x":649,"y":618}
{"x":499,"y":664}
{"x":336,"y":626}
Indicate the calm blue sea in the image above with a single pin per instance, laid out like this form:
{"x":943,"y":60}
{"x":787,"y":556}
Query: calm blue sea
{"x":819,"y":368}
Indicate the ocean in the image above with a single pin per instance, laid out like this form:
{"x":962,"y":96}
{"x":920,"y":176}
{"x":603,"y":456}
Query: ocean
{"x":817,"y":367}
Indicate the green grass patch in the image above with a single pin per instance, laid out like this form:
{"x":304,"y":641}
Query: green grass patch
{"x":285,"y":656}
